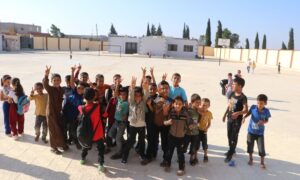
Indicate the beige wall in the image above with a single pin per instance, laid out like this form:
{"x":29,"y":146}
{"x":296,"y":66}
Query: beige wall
{"x":84,"y":44}
{"x":272,"y":57}
{"x":285,"y":58}
{"x":245,"y":54}
{"x":252,"y":54}
{"x":296,"y":60}
{"x":52,"y":43}
{"x":235,"y":54}
{"x":64,"y":44}
{"x":208,"y":51}
{"x":261,"y":56}
{"x":105,"y":45}
{"x":75,"y":44}
{"x":39,"y":43}
{"x":94,"y":45}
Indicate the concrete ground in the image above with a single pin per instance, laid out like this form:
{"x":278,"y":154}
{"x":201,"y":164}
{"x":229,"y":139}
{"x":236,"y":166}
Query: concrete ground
{"x":26,"y":159}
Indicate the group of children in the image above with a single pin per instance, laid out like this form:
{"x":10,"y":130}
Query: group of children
{"x":149,"y":110}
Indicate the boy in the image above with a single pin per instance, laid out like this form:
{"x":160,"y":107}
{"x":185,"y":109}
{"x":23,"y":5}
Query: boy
{"x":160,"y":108}
{"x":178,"y":120}
{"x":40,"y":100}
{"x":259,"y":117}
{"x":192,"y":135}
{"x":117,"y":80}
{"x":237,"y":106}
{"x":204,"y":125}
{"x":98,"y":138}
{"x":137,"y":109}
{"x":176,"y":90}
{"x":121,"y":115}
{"x":229,"y":85}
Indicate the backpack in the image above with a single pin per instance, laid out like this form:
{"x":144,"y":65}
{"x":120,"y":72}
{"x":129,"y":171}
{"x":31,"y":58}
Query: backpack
{"x":23,"y":105}
{"x":85,"y":132}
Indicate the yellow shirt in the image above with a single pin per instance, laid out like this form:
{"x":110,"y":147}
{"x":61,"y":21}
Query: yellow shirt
{"x":40,"y":104}
{"x":205,"y":120}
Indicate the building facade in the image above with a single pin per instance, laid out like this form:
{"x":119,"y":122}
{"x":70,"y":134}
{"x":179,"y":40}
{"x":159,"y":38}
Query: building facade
{"x":16,"y":28}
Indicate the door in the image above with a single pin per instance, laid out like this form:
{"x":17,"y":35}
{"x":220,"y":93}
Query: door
{"x":130,"y":48}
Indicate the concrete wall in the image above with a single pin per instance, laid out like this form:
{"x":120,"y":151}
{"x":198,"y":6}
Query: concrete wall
{"x":253,"y":54}
{"x":84,"y":44}
{"x":208,"y":51}
{"x":156,"y":46}
{"x":272,"y":57}
{"x":245,"y":55}
{"x":11,"y":43}
{"x":52,"y":43}
{"x":64,"y":44}
{"x":39,"y":43}
{"x":285,"y":58}
{"x":235,"y":54}
{"x":261,"y":56}
{"x":1,"y":48}
{"x":105,"y":45}
{"x":296,"y":60}
{"x":94,"y":45}
{"x":75,"y":44}
{"x":180,"y":47}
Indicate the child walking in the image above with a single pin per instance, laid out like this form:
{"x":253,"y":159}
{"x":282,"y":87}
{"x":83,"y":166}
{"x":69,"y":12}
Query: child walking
{"x":6,"y":88}
{"x":259,"y":117}
{"x":40,"y":100}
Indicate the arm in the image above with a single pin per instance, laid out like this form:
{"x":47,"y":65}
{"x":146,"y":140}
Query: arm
{"x":46,"y":79}
{"x":164,"y":76}
{"x":32,"y":97}
{"x":152,"y":75}
{"x":239,"y":113}
{"x":2,"y":97}
{"x":131,"y":90}
{"x":150,"y":107}
{"x":77,"y":72}
{"x":72,"y":79}
{"x":225,"y":114}
{"x":145,"y":86}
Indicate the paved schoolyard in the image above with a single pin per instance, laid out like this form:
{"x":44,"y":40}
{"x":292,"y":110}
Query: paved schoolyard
{"x":26,"y":159}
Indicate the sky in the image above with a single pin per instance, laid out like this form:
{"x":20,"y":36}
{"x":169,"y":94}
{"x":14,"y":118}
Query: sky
{"x":274,"y":18}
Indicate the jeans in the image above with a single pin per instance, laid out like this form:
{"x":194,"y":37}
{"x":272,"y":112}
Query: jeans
{"x":260,"y":144}
{"x":233,"y":129}
{"x":41,"y":121}
{"x":5,"y":109}
{"x":117,"y":132}
{"x":101,"y":149}
{"x":164,"y":132}
{"x":176,"y":142}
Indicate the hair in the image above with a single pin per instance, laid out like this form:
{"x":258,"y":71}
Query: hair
{"x":149,"y":77}
{"x":178,"y":98}
{"x":117,"y":76}
{"x":18,"y":87}
{"x":68,"y":77}
{"x":239,"y":81}
{"x":122,"y":89}
{"x":39,"y":84}
{"x":55,"y":75}
{"x":163,"y":82}
{"x":176,"y":74}
{"x":262,"y":97}
{"x":84,"y":74}
{"x":99,"y":76}
{"x":83,"y":84}
{"x":138,"y":90}
{"x":195,"y":97}
{"x":4,"y":78}
{"x":205,"y":100}
{"x":89,"y":94}
{"x":229,"y":74}
{"x":153,"y":85}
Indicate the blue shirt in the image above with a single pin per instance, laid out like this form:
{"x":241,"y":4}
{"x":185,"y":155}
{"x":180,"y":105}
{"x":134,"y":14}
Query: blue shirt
{"x":256,"y":116}
{"x":177,"y":91}
{"x":122,"y":109}
{"x":70,"y":109}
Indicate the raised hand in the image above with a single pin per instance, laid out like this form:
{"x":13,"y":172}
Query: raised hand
{"x":144,"y":70}
{"x":79,"y":66}
{"x":152,"y":70}
{"x":145,"y":84}
{"x":32,"y":92}
{"x":164,"y":77}
{"x":133,"y":82}
{"x":73,"y":69}
{"x":47,"y":71}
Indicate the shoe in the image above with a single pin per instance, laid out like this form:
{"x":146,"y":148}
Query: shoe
{"x":21,"y":134}
{"x":101,"y":169}
{"x":180,"y":172}
{"x":66,"y":147}
{"x":45,"y":140}
{"x":192,"y":162}
{"x":205,"y":159}
{"x":228,"y":159}
{"x":9,"y":135}
{"x":15,"y":137}
{"x":124,"y":161}
{"x":36,"y":139}
{"x":163,"y":163}
{"x":78,"y":146}
{"x":82,"y":161}
{"x":167,"y":169}
{"x":116,"y":156}
{"x":145,"y":162}
{"x":56,"y":151}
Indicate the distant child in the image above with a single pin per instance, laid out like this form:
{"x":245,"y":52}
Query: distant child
{"x":249,"y":65}
{"x":176,"y":90}
{"x":204,"y":125}
{"x":6,"y":88}
{"x":192,"y":135}
{"x":237,"y":107}
{"x":117,"y":81}
{"x":229,"y":85}
{"x":94,"y":110}
{"x":53,"y":112}
{"x":259,"y":117}
{"x":253,"y":66}
{"x":239,"y":74}
{"x":279,"y":68}
{"x":121,"y":119}
{"x":178,"y":120}
{"x":16,"y":119}
{"x":101,"y":88}
{"x":40,"y":100}
{"x":137,"y":109}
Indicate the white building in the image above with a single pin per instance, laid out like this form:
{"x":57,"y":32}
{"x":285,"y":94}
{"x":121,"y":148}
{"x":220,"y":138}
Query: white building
{"x":154,"y":45}
{"x":1,"y":42}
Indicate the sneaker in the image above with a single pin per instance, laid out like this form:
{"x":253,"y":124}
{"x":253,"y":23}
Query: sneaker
{"x":78,"y":146}
{"x":205,"y":159}
{"x":124,"y":161}
{"x":163,"y":163}
{"x":180,"y":172}
{"x":36,"y":139}
{"x":228,"y":159}
{"x":145,"y":162}
{"x":167,"y":169}
{"x":56,"y":151}
{"x":45,"y":140}
{"x":116,"y":156}
{"x":9,"y":135}
{"x":82,"y":161}
{"x":101,"y":169}
{"x":15,"y":137}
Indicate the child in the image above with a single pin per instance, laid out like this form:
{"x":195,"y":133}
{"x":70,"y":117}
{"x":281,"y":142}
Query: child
{"x":137,"y":109}
{"x":229,"y":85}
{"x":117,"y":80}
{"x":54,"y":107}
{"x":121,"y":115}
{"x":98,"y":138}
{"x":40,"y":100}
{"x":101,"y":88}
{"x":178,"y":120}
{"x":259,"y":117}
{"x":16,"y":120}
{"x":192,"y":135}
{"x":204,"y":125}
{"x":237,"y":106}
{"x":176,"y":90}
{"x":6,"y":88}
{"x":253,"y":66}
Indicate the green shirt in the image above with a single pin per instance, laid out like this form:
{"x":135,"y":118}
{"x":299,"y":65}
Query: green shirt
{"x":194,"y":114}
{"x":122,"y":110}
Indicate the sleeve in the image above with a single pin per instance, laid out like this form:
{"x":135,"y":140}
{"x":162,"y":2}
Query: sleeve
{"x":32,"y":97}
{"x":268,"y":114}
{"x":46,"y":84}
{"x":183,"y":95}
{"x":13,"y":95}
{"x":251,"y":108}
{"x":245,"y":100}
{"x":126,"y":109}
{"x":131,"y":96}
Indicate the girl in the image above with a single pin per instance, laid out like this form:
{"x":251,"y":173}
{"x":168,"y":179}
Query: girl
{"x":5,"y":83}
{"x":16,"y":120}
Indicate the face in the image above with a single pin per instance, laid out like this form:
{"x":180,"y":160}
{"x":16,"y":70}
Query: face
{"x":163,"y":90}
{"x":236,"y":87}
{"x":80,"y":90}
{"x":39,"y":89}
{"x":123,"y":96}
{"x":7,"y":82}
{"x":67,"y":82}
{"x":178,"y":105}
{"x":196,"y":103}
{"x":229,"y":77}
{"x":205,"y":105}
{"x":100,"y":81}
{"x":176,"y":80}
{"x":261,"y":104}
{"x":148,"y":80}
{"x":56,"y":81}
{"x":84,"y":78}
{"x":239,"y":71}
{"x":153,"y":90}
{"x":138,"y":97}
{"x":117,"y":80}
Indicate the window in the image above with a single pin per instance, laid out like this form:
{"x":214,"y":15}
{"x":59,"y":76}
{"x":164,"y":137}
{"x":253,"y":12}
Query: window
{"x":188,"y":48}
{"x":172,"y":47}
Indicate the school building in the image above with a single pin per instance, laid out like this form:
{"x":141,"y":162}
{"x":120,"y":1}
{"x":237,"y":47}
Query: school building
{"x":153,"y":45}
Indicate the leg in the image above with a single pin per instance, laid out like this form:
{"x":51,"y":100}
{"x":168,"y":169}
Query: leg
{"x":261,"y":150}
{"x":129,"y":144}
{"x":45,"y":128}
{"x":234,"y":137}
{"x":141,"y":141}
{"x":13,"y":119}
{"x":171,"y":148}
{"x":205,"y":147}
{"x":37,"y":127}
{"x":84,"y":153}
{"x":113,"y":130}
{"x":187,"y":141}
{"x":164,"y":133}
{"x":21,"y":124}
{"x":101,"y":149}
{"x":250,"y":146}
{"x":180,"y":153}
{"x":119,"y":137}
{"x":5,"y":108}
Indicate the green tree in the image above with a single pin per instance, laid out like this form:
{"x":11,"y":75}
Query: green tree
{"x":153,"y":30}
{"x":256,"y":42}
{"x":113,"y":30}
{"x":218,"y":33}
{"x":234,"y":40}
{"x":55,"y":31}
{"x":283,"y":46}
{"x":208,"y":34}
{"x":264,"y":43}
{"x":148,"y":30}
{"x":247,"y":44}
{"x":184,"y":31}
{"x":159,"y":31}
{"x":187,"y":32}
{"x":291,"y":40}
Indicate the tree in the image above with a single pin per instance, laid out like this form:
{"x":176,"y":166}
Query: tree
{"x":113,"y":30}
{"x":159,"y":31}
{"x":256,"y":42}
{"x":283,"y":46}
{"x":55,"y":31}
{"x":184,"y":31}
{"x":148,"y":30}
{"x":247,"y":44}
{"x":187,"y":32}
{"x":291,"y":40}
{"x":234,"y":40}
{"x":218,"y":33}
{"x":208,"y":34}
{"x":264,"y":43}
{"x":153,"y":30}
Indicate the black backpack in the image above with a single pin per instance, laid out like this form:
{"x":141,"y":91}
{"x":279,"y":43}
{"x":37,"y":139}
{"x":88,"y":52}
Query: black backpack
{"x":85,"y":132}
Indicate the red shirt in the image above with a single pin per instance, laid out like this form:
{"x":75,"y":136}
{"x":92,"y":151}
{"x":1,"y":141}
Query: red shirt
{"x":101,"y":90}
{"x":111,"y":109}
{"x":95,"y":118}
